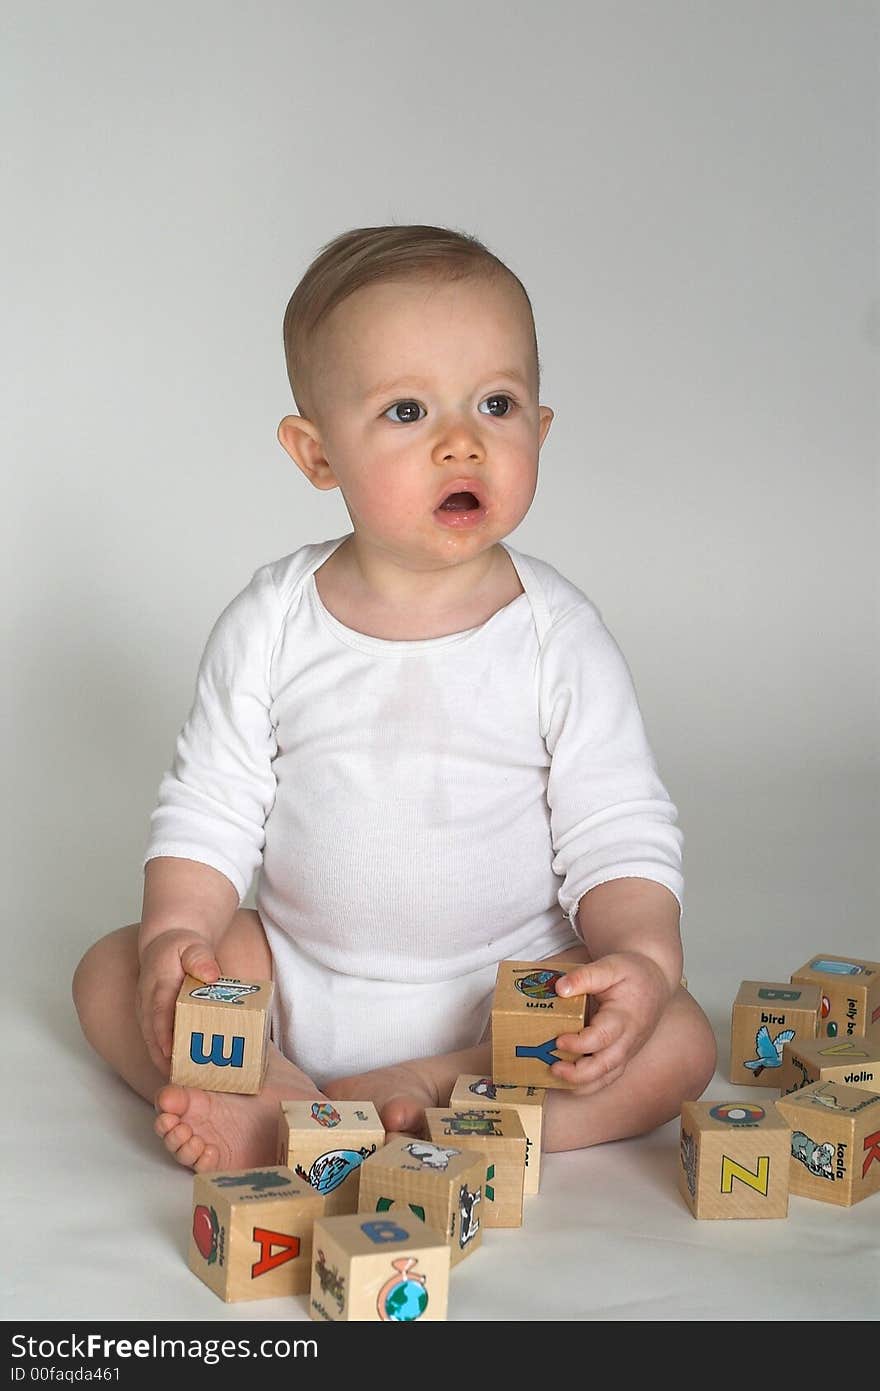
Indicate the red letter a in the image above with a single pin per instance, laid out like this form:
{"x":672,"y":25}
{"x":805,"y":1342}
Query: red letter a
{"x":268,"y":1261}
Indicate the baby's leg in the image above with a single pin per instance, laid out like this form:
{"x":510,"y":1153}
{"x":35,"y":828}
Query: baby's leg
{"x":675,"y":1065}
{"x":203,"y":1130}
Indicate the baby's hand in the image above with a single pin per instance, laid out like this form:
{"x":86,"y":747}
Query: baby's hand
{"x":630,"y":993}
{"x":164,"y":963}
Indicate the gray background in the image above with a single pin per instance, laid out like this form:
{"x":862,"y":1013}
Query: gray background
{"x":689,"y":192}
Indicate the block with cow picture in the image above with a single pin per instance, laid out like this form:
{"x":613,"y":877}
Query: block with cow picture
{"x":438,"y":1184}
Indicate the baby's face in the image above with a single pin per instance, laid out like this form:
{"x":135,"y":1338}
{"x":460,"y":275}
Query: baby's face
{"x":418,"y":387}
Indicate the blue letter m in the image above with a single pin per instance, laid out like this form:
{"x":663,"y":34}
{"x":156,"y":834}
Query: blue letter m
{"x":197,"y":1050}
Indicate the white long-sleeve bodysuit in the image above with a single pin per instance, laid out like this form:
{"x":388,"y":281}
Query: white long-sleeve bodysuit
{"x":421,"y":809}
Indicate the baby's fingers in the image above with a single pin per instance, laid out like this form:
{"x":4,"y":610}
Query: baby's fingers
{"x":606,"y":1029}
{"x":157,"y":1020}
{"x":593,"y":978}
{"x":197,"y":960}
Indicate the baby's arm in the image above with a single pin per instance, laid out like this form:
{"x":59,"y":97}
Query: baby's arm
{"x":631,"y":929}
{"x":187,"y":907}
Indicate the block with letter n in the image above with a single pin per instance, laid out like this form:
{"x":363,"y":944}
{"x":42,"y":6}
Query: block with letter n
{"x":734,"y":1159}
{"x":221,"y":1034}
{"x":252,"y":1232}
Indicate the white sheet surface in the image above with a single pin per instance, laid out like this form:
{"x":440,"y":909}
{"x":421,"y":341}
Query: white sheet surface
{"x":97,"y":1217}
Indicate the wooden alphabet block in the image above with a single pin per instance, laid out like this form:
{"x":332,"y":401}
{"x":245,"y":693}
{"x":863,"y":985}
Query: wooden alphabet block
{"x":764,"y":1018}
{"x":325,"y":1144}
{"x":527,"y":1016}
{"x":527,"y":1102}
{"x":499,"y":1137}
{"x":252,"y":1232}
{"x":373,"y":1269}
{"x":835,"y":1142}
{"x":734,"y":1159}
{"x":438,"y":1184}
{"x":854,"y":1062}
{"x":221,"y":1034}
{"x":850,"y":989}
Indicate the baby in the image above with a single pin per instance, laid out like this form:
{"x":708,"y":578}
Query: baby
{"x":427,"y":742}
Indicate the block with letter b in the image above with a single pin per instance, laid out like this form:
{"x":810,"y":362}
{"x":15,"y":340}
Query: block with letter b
{"x":221,"y":1034}
{"x":734,"y":1159}
{"x":252,"y":1232}
{"x":376,"y":1268}
{"x":527,"y":1016}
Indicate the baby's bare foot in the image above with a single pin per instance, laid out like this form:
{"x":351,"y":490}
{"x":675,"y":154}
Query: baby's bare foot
{"x":400,"y":1094}
{"x":222,"y":1130}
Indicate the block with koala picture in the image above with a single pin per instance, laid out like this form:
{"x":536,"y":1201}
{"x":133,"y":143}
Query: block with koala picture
{"x":221,"y":1034}
{"x":835,"y":1142}
{"x":440,"y":1185}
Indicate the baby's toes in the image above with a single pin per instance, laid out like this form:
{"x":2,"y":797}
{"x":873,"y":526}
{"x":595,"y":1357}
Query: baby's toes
{"x":165,"y":1122}
{"x":178,"y":1136}
{"x":190,"y":1151}
{"x":208,"y":1160}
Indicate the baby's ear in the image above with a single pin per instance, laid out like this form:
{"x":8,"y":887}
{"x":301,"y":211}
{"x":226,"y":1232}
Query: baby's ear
{"x":300,"y":439}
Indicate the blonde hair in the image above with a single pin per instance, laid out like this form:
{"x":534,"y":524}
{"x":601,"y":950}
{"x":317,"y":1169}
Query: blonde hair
{"x":365,"y":255}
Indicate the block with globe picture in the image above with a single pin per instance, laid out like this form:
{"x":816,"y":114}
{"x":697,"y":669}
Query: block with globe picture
{"x":765,"y":1017}
{"x":378,"y":1268}
{"x":835,"y":1142}
{"x":527,"y":1018}
{"x":325,"y":1143}
{"x":734,"y":1159}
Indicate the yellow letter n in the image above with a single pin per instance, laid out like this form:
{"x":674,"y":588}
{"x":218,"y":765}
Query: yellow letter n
{"x":759,"y":1180}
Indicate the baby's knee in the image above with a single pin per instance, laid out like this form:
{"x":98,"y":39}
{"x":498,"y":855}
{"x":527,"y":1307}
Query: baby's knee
{"x":698,"y":1049}
{"x":98,"y":973}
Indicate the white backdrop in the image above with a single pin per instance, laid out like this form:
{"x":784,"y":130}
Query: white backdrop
{"x":688,"y":191}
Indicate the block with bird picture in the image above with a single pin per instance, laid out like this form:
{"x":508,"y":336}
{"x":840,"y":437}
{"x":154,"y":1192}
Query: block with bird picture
{"x":766,"y":1016}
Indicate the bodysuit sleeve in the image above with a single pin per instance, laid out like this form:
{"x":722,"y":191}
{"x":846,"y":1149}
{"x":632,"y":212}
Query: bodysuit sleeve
{"x":610,"y":815}
{"x":214,"y":799}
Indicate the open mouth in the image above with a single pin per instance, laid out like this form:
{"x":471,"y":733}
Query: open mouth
{"x":459,"y":502}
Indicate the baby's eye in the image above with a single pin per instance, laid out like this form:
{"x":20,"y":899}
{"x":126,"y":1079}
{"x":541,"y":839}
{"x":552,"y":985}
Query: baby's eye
{"x":410,"y":405}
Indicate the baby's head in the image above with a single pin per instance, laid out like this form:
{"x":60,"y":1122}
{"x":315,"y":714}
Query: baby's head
{"x":413,"y":361}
